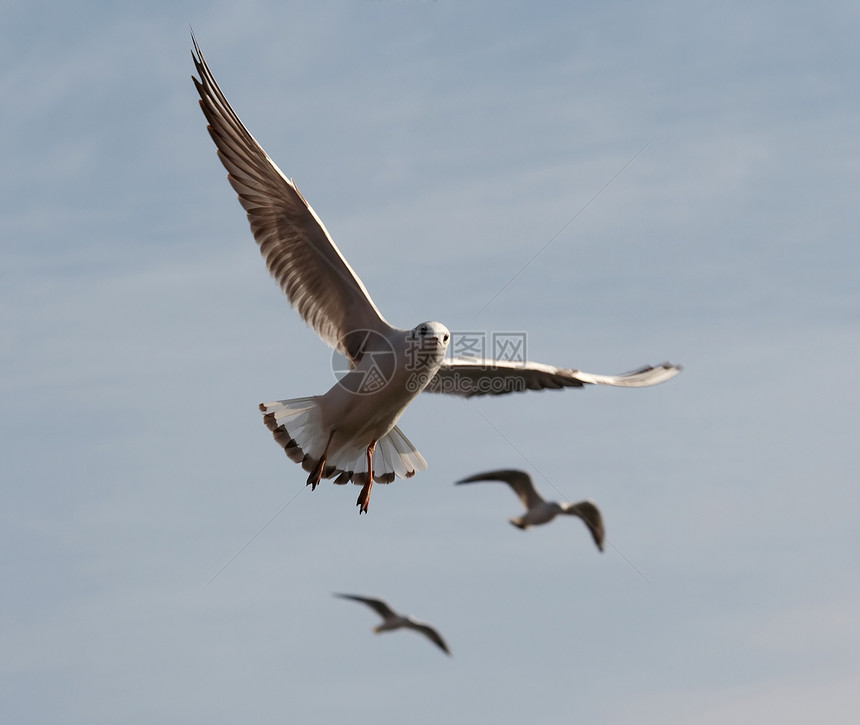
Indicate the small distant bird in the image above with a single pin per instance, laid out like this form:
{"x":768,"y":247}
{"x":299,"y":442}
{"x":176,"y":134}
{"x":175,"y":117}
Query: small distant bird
{"x":393,"y":620}
{"x":539,"y":511}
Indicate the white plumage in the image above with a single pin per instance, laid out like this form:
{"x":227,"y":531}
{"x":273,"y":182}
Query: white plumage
{"x":350,"y":433}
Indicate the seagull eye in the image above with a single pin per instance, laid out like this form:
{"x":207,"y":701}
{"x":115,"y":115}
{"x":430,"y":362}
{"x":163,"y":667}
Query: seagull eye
{"x":445,"y":338}
{"x":423,"y":330}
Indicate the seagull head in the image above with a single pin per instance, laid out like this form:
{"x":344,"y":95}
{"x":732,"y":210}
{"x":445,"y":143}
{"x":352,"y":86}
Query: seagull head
{"x":431,"y":336}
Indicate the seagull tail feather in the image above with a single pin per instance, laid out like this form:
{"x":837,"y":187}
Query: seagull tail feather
{"x":297,"y":427}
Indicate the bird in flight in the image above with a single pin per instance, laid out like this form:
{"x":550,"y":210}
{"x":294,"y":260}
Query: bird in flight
{"x":349,"y":433}
{"x":391,"y":620}
{"x":539,"y":511}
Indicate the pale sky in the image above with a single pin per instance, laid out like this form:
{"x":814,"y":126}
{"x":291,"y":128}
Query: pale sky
{"x":696,"y":168}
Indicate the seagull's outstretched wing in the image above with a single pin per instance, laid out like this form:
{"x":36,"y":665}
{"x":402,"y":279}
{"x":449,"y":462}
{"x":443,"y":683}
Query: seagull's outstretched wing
{"x":519,"y":481}
{"x":590,"y":514}
{"x":430,"y":633}
{"x":377,"y":605}
{"x":467,"y":376}
{"x":300,"y":254}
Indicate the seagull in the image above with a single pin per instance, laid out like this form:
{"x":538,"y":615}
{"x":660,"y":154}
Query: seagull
{"x":539,"y":511}
{"x":349,"y":433}
{"x":393,"y":620}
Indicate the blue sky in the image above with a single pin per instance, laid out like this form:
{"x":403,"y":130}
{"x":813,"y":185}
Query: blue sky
{"x":444,"y":145}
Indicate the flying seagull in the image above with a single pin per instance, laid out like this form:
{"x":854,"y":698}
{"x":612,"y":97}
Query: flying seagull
{"x":393,"y":620}
{"x":350,"y":433}
{"x":539,"y":511}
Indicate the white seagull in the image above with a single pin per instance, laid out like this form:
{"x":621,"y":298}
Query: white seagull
{"x":392,"y":620}
{"x":349,"y":433}
{"x":539,"y":511}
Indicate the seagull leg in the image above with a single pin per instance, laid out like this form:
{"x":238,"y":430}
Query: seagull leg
{"x":316,"y":474}
{"x":364,"y":496}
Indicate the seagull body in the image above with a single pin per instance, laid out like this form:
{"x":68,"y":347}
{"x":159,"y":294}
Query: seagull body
{"x":349,"y":434}
{"x":358,"y":413}
{"x":539,"y":511}
{"x":391,"y":620}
